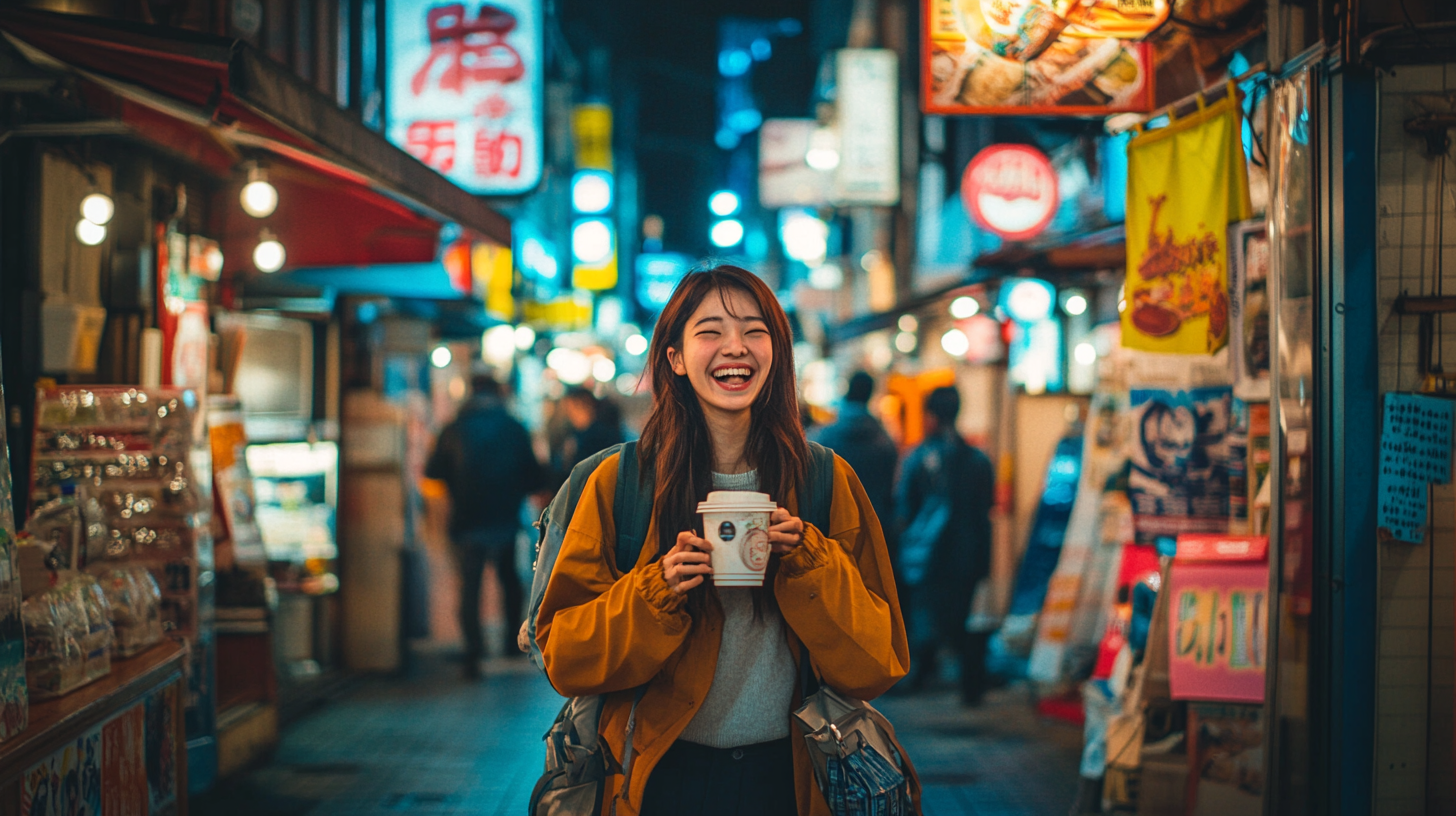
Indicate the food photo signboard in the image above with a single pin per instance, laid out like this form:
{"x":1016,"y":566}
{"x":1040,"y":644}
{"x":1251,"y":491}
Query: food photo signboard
{"x":1038,"y":56}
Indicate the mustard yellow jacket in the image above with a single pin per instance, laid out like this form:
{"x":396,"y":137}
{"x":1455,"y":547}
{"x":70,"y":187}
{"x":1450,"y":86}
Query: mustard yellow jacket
{"x":602,"y":632}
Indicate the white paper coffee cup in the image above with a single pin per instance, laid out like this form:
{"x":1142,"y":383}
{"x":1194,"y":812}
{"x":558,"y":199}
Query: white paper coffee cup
{"x":736,"y":523}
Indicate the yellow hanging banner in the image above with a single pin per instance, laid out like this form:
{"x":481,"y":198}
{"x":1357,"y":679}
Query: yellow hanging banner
{"x":1185,"y":184}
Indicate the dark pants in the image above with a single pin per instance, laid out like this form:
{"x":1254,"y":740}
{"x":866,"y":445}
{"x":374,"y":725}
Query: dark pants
{"x":695,"y":780}
{"x":944,"y":616}
{"x":472,"y":553}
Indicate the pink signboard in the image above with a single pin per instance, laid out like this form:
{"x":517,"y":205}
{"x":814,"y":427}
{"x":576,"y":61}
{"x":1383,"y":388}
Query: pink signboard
{"x":1218,"y":626}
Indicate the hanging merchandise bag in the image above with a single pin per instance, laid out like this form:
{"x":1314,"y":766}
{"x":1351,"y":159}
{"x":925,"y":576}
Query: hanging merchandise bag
{"x":1186,"y":183}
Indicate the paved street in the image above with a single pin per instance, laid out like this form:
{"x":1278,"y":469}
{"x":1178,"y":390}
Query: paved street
{"x":433,"y":744}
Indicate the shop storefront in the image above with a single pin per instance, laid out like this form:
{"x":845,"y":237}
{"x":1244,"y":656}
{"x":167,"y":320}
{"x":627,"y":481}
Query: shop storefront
{"x":153,"y":178}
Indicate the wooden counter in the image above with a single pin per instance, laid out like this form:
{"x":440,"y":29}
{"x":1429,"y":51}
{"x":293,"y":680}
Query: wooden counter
{"x":130,"y":693}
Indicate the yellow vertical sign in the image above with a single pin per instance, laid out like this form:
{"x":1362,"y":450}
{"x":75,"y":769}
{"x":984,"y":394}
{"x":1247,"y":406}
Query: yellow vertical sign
{"x":591,"y":127}
{"x":1186,"y":183}
{"x":494,"y":275}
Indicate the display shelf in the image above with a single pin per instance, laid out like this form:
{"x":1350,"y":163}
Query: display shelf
{"x":56,"y":723}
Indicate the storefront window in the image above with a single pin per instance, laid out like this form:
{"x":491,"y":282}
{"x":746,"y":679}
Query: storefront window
{"x":1291,"y":210}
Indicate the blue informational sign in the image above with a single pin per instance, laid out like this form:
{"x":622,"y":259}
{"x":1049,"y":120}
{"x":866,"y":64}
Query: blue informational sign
{"x":1415,"y":450}
{"x":464,"y":90}
{"x":658,"y":274}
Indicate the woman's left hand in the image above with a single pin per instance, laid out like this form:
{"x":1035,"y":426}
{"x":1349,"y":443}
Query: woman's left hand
{"x":785,"y":532}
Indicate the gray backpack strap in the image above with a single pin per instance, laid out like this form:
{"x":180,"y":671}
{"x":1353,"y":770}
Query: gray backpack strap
{"x":819,"y":492}
{"x":631,"y":507}
{"x":627,"y":747}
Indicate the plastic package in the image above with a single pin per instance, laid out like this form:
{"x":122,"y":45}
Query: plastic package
{"x":97,"y":642}
{"x":57,"y":526}
{"x":14,"y":700}
{"x":68,"y":637}
{"x":135,"y":601}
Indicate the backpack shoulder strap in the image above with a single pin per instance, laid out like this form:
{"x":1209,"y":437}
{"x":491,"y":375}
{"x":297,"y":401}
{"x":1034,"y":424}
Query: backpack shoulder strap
{"x":631,"y":506}
{"x":819,"y":494}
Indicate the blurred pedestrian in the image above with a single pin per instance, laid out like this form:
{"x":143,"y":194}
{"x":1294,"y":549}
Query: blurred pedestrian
{"x":595,"y":426}
{"x":944,"y":500}
{"x":862,"y":441}
{"x":717,"y":666}
{"x":485,"y":459}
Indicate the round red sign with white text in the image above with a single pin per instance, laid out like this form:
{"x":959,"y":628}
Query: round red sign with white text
{"x":1011,"y":190}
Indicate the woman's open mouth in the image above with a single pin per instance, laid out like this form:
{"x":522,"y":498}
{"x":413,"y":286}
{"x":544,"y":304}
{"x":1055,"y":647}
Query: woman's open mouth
{"x":733,"y":377}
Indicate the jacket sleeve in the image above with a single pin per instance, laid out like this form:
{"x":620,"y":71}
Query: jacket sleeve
{"x":599,"y":631}
{"x":837,"y":593}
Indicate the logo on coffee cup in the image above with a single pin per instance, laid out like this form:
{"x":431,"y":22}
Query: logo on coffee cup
{"x":726,"y":531}
{"x":756,"y":549}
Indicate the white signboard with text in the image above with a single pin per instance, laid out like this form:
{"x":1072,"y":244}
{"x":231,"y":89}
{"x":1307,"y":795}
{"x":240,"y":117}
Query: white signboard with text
{"x":465,"y":93}
{"x":867,"y":86}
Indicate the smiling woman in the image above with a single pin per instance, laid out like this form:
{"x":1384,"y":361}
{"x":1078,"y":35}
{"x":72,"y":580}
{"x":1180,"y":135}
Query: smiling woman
{"x":715,"y":656}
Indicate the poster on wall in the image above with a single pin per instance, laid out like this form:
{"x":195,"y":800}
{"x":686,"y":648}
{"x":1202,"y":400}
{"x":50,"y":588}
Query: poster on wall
{"x":161,"y":748}
{"x":1022,"y":57}
{"x":66,"y":783}
{"x":1179,"y":455}
{"x":1249,"y":308}
{"x":124,"y":765}
{"x":1415,"y":450}
{"x":1186,"y":183}
{"x":464,"y":91}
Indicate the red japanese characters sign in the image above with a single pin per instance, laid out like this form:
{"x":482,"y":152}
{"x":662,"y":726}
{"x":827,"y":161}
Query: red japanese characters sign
{"x":1011,"y":190}
{"x":465,"y":90}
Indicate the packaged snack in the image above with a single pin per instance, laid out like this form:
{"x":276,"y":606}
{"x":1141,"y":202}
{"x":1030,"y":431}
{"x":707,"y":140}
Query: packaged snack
{"x":68,"y":637}
{"x":135,"y":603}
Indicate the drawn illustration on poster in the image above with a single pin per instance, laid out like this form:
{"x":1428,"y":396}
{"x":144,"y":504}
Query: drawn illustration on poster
{"x":1415,"y":450}
{"x":1249,"y":308}
{"x":1038,"y":56}
{"x":465,"y":90}
{"x":66,"y":783}
{"x":123,"y":764}
{"x":1186,"y":183}
{"x":1179,"y":456}
{"x":161,"y":747}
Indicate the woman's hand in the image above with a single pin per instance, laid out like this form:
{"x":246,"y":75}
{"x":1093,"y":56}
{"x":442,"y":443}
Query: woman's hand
{"x":785,"y":532}
{"x":687,"y":562}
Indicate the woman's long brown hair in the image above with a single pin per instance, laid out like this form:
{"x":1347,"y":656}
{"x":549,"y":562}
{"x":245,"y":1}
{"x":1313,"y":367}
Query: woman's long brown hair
{"x":675,"y":442}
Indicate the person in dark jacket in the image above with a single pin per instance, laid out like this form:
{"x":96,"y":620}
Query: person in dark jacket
{"x":595,"y":425}
{"x":944,"y":500}
{"x":485,"y":459}
{"x":862,"y":441}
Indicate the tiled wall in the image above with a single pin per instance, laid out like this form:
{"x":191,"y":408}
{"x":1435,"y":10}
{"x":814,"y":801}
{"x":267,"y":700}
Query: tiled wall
{"x":1417,"y":628}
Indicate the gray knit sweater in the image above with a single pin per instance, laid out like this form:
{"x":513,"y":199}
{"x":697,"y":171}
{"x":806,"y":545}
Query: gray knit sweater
{"x":753,"y":683}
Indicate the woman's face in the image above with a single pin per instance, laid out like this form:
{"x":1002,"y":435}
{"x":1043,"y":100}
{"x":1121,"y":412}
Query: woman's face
{"x":726,"y":351}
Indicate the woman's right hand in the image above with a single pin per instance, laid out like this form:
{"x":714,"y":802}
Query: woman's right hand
{"x":687,"y":562}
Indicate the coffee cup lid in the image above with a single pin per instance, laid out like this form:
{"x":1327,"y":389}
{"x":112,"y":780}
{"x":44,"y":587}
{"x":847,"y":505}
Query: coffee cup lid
{"x":737,"y":501}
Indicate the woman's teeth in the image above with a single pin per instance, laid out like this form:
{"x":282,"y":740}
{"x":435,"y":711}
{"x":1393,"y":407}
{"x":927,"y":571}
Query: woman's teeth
{"x":733,"y":375}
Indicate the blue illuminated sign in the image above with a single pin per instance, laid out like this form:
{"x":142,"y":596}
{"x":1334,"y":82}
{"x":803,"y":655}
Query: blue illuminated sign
{"x":658,"y":274}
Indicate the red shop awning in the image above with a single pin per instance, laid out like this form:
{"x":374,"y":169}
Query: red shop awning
{"x":346,"y":195}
